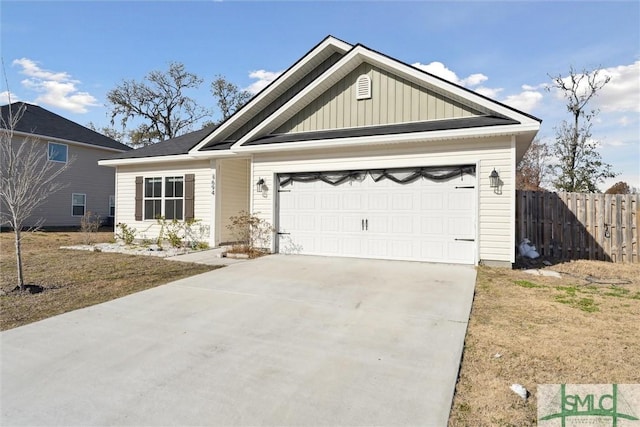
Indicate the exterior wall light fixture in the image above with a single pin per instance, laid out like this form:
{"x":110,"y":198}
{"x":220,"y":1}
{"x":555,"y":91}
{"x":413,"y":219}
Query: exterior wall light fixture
{"x":494,"y":179}
{"x":260,"y":185}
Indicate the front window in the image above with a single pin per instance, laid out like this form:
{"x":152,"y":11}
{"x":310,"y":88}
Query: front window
{"x":78,"y":204}
{"x":167,"y":201}
{"x":173,"y":193}
{"x":57,"y":152}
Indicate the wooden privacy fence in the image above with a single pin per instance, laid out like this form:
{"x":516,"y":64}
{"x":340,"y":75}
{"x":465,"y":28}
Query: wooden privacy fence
{"x":566,"y":226}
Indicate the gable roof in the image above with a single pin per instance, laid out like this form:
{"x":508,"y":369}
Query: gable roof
{"x":170,"y":147}
{"x":254,"y":127}
{"x":286,"y":80}
{"x":38,"y":121}
{"x":359,"y":54}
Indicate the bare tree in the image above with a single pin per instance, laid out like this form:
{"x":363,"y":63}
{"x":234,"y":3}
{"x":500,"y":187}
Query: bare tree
{"x":109,"y":131}
{"x":160,"y":102}
{"x":580,"y":167}
{"x":532,"y":170}
{"x":27,"y":178}
{"x":228,"y":96}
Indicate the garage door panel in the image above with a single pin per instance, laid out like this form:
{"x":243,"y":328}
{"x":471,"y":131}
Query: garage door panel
{"x":460,"y":227}
{"x":460,"y":200}
{"x":419,"y":220}
{"x":378,"y":201}
{"x":402,"y":201}
{"x":330,"y":223}
{"x":433,"y":250}
{"x":460,"y":251}
{"x":352,"y":201}
{"x":433,"y":225}
{"x":431,"y":200}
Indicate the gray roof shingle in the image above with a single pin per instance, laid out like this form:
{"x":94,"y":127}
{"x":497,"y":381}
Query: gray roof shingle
{"x":36,"y":120}
{"x":171,"y":147}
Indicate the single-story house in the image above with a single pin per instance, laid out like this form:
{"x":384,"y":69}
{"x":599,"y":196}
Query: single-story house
{"x":87,"y":186}
{"x":349,"y":152}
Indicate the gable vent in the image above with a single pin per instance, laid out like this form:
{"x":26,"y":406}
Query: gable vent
{"x":363,"y":87}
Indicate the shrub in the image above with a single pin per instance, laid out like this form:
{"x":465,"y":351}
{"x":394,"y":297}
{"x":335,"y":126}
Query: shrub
{"x":126,"y":234}
{"x":89,"y":224}
{"x":251,"y":234}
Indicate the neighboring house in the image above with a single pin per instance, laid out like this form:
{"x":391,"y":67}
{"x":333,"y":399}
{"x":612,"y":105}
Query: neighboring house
{"x":348,"y":153}
{"x":87,"y":186}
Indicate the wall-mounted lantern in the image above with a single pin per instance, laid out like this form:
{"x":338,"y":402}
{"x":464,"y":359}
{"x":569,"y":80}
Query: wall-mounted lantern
{"x":260,"y":185}
{"x":494,"y":179}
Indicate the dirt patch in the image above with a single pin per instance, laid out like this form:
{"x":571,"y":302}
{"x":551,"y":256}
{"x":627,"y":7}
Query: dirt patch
{"x":530,"y":330}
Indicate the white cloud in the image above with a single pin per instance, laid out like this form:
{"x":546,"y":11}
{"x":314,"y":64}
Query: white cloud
{"x":526,"y":100}
{"x":624,"y":121}
{"x":55,"y":88}
{"x":263,"y":78}
{"x":439,"y":69}
{"x":622,"y":93}
{"x":30,"y":68}
{"x":7,"y":97}
{"x":474,"y":79}
{"x":611,"y":143}
{"x":488,"y":92}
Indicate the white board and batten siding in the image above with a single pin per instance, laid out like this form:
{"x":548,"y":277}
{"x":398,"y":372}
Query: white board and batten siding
{"x":494,"y":240}
{"x":125,"y":198}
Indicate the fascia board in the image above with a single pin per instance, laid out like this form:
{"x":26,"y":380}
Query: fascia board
{"x":328,"y":42}
{"x":357,"y":55}
{"x":165,"y":159}
{"x":344,"y":65}
{"x":393,"y":139}
{"x":65,"y":141}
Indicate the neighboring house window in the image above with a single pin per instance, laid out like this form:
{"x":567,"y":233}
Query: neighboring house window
{"x":57,"y":152}
{"x":78,"y":204}
{"x":112,"y":206}
{"x":164,"y":197}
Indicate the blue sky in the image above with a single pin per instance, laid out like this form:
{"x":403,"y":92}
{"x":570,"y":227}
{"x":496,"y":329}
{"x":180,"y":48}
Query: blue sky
{"x":65,"y":56}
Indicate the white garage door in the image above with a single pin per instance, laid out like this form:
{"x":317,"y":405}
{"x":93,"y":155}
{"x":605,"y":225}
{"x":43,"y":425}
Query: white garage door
{"x":421,"y":220}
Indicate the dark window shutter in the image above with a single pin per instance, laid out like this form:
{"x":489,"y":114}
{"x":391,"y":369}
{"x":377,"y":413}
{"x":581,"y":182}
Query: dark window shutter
{"x":189,"y":191}
{"x":139,"y":182}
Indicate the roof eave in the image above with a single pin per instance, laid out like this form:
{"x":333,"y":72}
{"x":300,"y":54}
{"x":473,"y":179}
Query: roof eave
{"x":505,"y":130}
{"x":67,"y":141}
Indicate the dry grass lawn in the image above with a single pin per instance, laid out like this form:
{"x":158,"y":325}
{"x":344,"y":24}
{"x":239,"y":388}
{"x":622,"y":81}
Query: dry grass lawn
{"x":75,"y":279}
{"x":535,"y":330}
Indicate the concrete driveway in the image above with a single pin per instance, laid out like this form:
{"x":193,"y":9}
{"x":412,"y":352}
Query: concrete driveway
{"x":282,"y":340}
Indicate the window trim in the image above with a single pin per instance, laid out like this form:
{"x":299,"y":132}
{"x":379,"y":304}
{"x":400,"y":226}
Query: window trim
{"x":163,"y":197}
{"x":112,"y":205}
{"x":84,"y":206}
{"x":66,"y":152}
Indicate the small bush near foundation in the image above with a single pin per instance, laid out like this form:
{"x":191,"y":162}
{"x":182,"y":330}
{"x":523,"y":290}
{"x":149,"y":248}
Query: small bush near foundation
{"x":251,"y":234}
{"x":125,"y":233}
